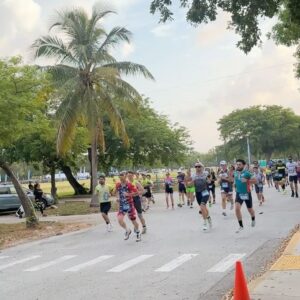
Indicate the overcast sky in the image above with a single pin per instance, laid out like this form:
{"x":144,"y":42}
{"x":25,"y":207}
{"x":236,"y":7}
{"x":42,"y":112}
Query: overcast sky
{"x":200,"y":74}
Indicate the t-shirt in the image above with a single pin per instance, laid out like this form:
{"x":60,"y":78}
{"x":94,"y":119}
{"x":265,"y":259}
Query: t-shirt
{"x":121,"y":189}
{"x":180,"y":179}
{"x":292,"y":168}
{"x":224,"y":174}
{"x":103,"y":193}
{"x":242,"y":187}
{"x":259,"y":178}
{"x":168,"y":182}
{"x":280,"y":170}
{"x":200,"y":182}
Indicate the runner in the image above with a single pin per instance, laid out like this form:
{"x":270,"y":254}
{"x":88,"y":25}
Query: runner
{"x":181,"y":188}
{"x":137,"y":199}
{"x":103,"y":193}
{"x":147,"y":184}
{"x":259,"y":185}
{"x":169,"y":190}
{"x":211,"y":179}
{"x":151,"y":187}
{"x":226,"y":182}
{"x":293,"y":177}
{"x":269,"y":176}
{"x":298,"y":170}
{"x":280,"y":176}
{"x":125,"y":192}
{"x":190,"y":188}
{"x":243,"y":180}
{"x":202,"y":194}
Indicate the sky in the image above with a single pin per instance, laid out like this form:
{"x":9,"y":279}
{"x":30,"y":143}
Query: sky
{"x":199,"y":73}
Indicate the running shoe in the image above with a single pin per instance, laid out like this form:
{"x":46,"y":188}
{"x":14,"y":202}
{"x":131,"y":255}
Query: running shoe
{"x":138,"y":236}
{"x":224,"y":214}
{"x":109,"y":227}
{"x":253,"y":223}
{"x":179,"y":205}
{"x":191,"y":206}
{"x":127,"y":234}
{"x":240,"y":229}
{"x":204,"y":228}
{"x":144,"y":230}
{"x":293,"y":194}
{"x":297,"y":195}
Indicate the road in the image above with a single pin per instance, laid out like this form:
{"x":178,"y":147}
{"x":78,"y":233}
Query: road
{"x":175,"y":259}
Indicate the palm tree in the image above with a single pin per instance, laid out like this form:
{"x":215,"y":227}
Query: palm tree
{"x":88,"y":78}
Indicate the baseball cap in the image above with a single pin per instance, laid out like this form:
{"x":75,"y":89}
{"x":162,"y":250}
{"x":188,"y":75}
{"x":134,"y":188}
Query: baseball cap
{"x":223,"y":162}
{"x":197,"y":164}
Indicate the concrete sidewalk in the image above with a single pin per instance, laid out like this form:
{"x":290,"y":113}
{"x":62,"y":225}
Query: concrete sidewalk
{"x":282,"y":281}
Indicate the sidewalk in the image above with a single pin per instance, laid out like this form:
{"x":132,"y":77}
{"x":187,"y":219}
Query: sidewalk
{"x":282,"y":281}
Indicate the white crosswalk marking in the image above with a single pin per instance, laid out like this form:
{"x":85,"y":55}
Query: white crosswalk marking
{"x":130,"y":263}
{"x":3,"y":256}
{"x":50,"y":263}
{"x":89,"y":263}
{"x":176,"y":263}
{"x":17,"y":262}
{"x":227,"y":262}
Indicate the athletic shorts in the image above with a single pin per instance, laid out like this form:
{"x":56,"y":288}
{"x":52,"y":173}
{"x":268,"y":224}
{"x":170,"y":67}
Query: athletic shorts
{"x":147,"y":194}
{"x":259,"y":188}
{"x":293,"y":178}
{"x":269,"y":176}
{"x":240,"y":198}
{"x":138,"y":204}
{"x":190,"y":189}
{"x":202,"y":197}
{"x":130,"y":210}
{"x":278,"y":178}
{"x":211,"y":188}
{"x":105,"y":207}
{"x":227,"y":189}
{"x":169,"y":190}
{"x":181,"y":188}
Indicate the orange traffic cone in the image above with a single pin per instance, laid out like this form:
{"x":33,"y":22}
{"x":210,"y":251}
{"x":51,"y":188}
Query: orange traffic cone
{"x":240,"y":285}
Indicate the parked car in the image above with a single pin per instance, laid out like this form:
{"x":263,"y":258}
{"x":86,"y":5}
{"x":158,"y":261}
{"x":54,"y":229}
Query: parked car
{"x":9,"y":199}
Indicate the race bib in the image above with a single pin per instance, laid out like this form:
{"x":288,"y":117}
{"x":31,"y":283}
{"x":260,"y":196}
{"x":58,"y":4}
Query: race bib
{"x":225,"y":185}
{"x":105,"y":197}
{"x":205,"y":193}
{"x":280,"y":175}
{"x":260,"y":185}
{"x":210,"y":186}
{"x":125,"y":207}
{"x":244,"y":197}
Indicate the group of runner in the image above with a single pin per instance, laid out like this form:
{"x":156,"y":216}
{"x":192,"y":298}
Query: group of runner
{"x":134,"y":192}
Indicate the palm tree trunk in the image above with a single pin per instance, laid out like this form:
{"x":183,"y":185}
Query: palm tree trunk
{"x":53,"y":184}
{"x":78,"y":188}
{"x":31,"y":218}
{"x":94,"y":164}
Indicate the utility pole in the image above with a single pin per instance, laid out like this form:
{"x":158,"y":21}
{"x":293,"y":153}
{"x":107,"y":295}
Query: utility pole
{"x":248,"y":149}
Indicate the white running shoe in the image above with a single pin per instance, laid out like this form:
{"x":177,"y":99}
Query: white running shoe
{"x":144,"y":230}
{"x":109,"y":227}
{"x":127,"y":234}
{"x":253,"y":223}
{"x":240,"y":229}
{"x":204,"y":228}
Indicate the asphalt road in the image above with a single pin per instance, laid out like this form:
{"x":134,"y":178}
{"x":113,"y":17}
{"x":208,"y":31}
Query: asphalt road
{"x":175,"y":259}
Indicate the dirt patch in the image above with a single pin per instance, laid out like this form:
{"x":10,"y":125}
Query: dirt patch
{"x":15,"y":234}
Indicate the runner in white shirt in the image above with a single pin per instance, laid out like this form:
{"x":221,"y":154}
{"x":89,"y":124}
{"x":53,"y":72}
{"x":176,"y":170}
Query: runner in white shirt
{"x":293,"y":178}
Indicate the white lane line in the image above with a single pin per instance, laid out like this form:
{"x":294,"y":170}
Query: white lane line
{"x":50,"y":263}
{"x":130,"y":263}
{"x":227,"y":262}
{"x":89,"y":263}
{"x":17,"y":262}
{"x":176,"y":263}
{"x":3,"y":256}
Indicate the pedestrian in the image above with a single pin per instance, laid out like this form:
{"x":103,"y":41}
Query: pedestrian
{"x":102,"y":190}
{"x":243,"y":181}
{"x":38,"y":195}
{"x":259,"y":185}
{"x":169,"y":182}
{"x":181,"y":188}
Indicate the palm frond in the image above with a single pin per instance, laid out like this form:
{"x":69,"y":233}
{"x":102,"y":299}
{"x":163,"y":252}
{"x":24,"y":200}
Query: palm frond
{"x":61,"y":73}
{"x":129,"y":68}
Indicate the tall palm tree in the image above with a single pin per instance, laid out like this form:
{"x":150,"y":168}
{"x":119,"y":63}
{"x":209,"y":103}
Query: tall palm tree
{"x":88,"y":78}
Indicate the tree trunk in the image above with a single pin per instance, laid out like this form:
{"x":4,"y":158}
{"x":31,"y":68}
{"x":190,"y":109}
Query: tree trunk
{"x":53,"y":184}
{"x":78,"y":188}
{"x":94,"y":164}
{"x":31,"y":218}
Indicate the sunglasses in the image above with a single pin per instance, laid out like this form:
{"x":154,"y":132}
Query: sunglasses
{"x":198,"y":167}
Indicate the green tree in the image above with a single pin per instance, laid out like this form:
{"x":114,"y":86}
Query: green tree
{"x":270,"y":129}
{"x":245,"y":15}
{"x":153,"y":141}
{"x":88,"y":78}
{"x":22,"y":90}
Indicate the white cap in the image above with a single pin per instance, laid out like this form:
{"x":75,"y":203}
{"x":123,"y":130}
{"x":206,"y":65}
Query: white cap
{"x":223,"y":162}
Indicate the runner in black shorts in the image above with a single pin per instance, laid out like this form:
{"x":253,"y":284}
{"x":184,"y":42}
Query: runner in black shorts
{"x":181,"y":188}
{"x":169,"y":190}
